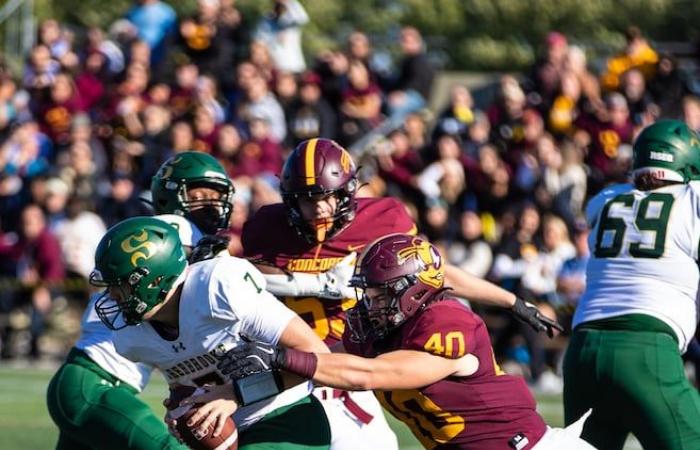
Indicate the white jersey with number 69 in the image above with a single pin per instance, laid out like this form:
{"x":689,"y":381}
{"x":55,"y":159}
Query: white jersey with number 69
{"x":644,"y":253}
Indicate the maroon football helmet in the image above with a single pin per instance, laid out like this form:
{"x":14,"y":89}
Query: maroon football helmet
{"x":410,"y":272}
{"x":319,"y":167}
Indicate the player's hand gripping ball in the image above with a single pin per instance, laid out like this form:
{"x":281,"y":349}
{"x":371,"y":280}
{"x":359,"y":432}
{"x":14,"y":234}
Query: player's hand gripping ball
{"x":227,"y":440}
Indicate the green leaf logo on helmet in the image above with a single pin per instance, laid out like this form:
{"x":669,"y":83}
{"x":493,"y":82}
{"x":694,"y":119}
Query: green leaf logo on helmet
{"x":186,"y":171}
{"x":669,"y":150}
{"x":138,"y":260}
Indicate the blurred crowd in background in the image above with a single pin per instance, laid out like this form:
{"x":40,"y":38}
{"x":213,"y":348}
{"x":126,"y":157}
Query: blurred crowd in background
{"x":500,"y":186}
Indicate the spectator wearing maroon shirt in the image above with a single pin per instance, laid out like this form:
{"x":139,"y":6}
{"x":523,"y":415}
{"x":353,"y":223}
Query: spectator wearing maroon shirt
{"x":261,"y":155}
{"x":90,"y":82}
{"x":183,"y":93}
{"x":227,"y":149}
{"x":361,"y":105}
{"x":488,"y":179}
{"x":129,"y":98}
{"x":605,"y":132}
{"x":399,"y":165}
{"x":57,"y":114}
{"x":205,"y":129}
{"x":39,"y":270}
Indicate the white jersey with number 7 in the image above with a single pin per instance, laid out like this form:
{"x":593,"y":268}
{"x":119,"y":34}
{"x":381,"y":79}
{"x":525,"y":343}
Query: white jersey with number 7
{"x":222,"y":299}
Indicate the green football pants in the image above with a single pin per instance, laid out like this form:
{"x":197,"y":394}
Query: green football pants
{"x":635,"y":383}
{"x":301,"y":425}
{"x":94,"y":410}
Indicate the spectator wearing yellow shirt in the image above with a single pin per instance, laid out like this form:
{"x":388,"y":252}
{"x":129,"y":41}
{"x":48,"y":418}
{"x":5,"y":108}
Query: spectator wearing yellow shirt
{"x":637,"y":54}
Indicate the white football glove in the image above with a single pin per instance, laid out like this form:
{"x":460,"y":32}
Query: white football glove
{"x":335,"y":281}
{"x":332,"y":284}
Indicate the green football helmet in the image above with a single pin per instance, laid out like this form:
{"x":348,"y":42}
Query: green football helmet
{"x":190,"y":170}
{"x":142,"y":257}
{"x":669,"y":150}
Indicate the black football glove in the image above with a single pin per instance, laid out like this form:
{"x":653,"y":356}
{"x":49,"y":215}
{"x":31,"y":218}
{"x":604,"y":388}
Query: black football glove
{"x":250,"y":357}
{"x":208,"y":247}
{"x":530,"y":315}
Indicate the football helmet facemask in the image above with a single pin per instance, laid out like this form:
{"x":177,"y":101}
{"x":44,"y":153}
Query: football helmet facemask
{"x":403,"y":273}
{"x":189,"y":170}
{"x":138,"y":260}
{"x":318,"y":168}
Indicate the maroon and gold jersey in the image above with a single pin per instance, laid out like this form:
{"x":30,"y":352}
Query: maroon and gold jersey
{"x":483,"y":411}
{"x":268,"y":237}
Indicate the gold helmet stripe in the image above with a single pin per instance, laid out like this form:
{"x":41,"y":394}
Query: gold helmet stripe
{"x":309,"y":165}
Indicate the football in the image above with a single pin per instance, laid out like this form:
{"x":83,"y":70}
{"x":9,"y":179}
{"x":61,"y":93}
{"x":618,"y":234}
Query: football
{"x":227,"y":440}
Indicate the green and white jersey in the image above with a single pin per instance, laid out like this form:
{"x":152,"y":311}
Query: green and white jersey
{"x":96,"y":341}
{"x":221,"y":299}
{"x":644,"y":252}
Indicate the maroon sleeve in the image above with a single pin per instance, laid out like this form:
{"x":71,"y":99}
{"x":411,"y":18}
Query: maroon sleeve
{"x":267,"y":234}
{"x":252,"y":238}
{"x":401,"y":221}
{"x":444,"y":330}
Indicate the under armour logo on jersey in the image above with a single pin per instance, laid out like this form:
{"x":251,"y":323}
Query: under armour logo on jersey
{"x":179,"y":346}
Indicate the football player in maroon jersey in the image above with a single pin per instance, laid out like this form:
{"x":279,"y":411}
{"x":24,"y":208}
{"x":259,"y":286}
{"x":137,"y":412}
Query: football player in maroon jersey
{"x":306,"y":246}
{"x":321,"y":222}
{"x":426,"y":355}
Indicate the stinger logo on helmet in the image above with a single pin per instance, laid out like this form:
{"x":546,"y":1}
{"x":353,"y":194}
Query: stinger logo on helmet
{"x":408,"y":270}
{"x":433,"y":272}
{"x":345,"y":161}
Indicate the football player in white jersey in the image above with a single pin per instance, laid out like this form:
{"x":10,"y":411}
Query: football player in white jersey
{"x":639,"y":310}
{"x":178,"y":318}
{"x":92,"y":396}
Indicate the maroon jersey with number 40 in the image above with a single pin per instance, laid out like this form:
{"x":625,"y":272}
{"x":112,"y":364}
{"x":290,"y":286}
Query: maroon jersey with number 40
{"x":483,"y":411}
{"x":268,"y":237}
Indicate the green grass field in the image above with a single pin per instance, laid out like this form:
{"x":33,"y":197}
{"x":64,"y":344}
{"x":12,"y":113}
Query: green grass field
{"x":25,"y":423}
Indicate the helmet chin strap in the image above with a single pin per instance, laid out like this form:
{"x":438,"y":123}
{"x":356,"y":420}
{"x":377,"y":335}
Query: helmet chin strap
{"x":322,"y":227}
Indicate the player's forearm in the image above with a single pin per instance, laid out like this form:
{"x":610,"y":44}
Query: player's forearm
{"x":475,"y":289}
{"x":293,"y":285}
{"x":396,"y":370}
